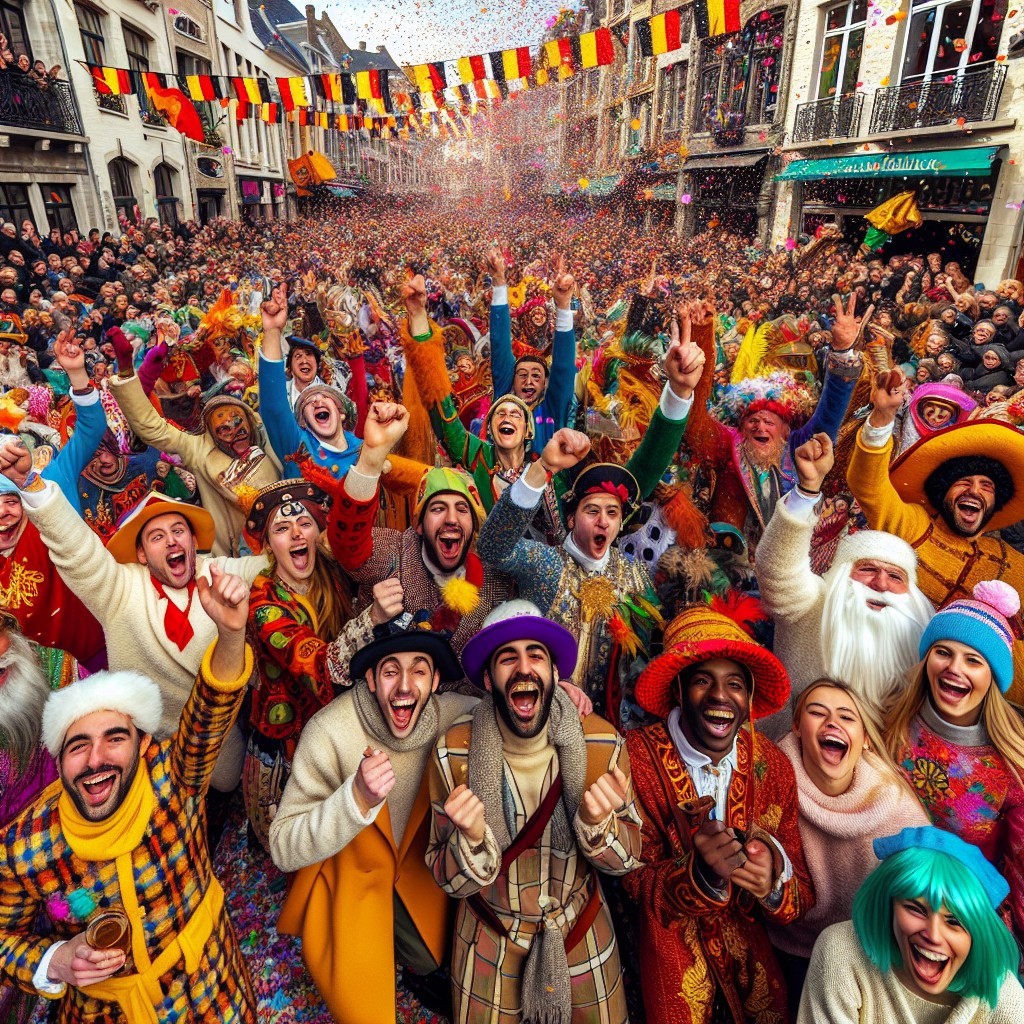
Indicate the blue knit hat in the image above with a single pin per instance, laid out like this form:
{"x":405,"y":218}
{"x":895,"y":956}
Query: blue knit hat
{"x":928,"y":837}
{"x":981,"y":623}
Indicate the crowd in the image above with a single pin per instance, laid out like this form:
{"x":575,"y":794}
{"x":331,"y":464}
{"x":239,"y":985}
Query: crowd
{"x":715,"y":547}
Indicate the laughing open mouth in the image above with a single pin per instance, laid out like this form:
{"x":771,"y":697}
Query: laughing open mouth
{"x":300,"y":556}
{"x":833,"y":749}
{"x":953,"y":690}
{"x":928,"y":964}
{"x":507,"y":430}
{"x":524,"y":698}
{"x":176,"y":561}
{"x":402,"y":708}
{"x":322,"y":416}
{"x":449,"y":542}
{"x":98,"y":787}
{"x":719,"y":720}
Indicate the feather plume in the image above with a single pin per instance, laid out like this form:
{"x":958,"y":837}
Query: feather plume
{"x":744,"y":610}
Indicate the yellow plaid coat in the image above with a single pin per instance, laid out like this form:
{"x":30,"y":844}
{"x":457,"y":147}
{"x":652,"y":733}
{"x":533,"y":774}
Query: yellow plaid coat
{"x":172,"y":875}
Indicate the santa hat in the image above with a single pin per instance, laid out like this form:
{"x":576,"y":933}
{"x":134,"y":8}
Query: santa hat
{"x":877,"y":545}
{"x":129,"y":693}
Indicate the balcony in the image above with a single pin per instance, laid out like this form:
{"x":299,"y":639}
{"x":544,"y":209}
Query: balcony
{"x":729,"y":129}
{"x":836,"y":117}
{"x":973,"y":96}
{"x":24,"y":104}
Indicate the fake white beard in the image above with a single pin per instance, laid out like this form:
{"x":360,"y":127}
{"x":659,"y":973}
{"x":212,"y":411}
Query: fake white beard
{"x":870,"y":650}
{"x":22,"y":698}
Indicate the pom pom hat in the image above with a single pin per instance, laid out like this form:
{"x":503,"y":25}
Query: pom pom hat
{"x":129,"y":693}
{"x":702,"y":633}
{"x":877,"y":545}
{"x":981,"y":623}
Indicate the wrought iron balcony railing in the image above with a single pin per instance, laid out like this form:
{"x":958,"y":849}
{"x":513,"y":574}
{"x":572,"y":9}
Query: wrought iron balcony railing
{"x":26,"y":104}
{"x":836,"y":117}
{"x":973,"y":96}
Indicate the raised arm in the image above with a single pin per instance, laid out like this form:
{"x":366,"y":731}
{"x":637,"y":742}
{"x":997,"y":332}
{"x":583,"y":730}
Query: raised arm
{"x":562,"y":379}
{"x":278,"y":417}
{"x":502,"y":361}
{"x":152,"y":428}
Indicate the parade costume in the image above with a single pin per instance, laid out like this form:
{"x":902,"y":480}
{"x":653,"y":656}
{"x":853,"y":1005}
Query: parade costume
{"x":533,"y":929}
{"x":150,"y":857}
{"x":707,"y":955}
{"x":362,"y":897}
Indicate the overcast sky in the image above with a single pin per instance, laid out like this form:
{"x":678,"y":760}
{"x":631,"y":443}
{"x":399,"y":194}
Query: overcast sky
{"x":415,"y":31}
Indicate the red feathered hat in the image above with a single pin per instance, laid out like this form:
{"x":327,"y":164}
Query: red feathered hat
{"x":707,"y":631}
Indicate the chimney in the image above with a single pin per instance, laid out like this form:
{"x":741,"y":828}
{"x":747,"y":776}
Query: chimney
{"x":381,"y":48}
{"x":362,"y":44}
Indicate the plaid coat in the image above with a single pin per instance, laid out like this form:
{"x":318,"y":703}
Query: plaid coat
{"x":486,"y":966}
{"x":172,"y":873}
{"x":698,"y":950}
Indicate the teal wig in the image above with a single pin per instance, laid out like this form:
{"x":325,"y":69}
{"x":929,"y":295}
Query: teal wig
{"x":939,"y":879}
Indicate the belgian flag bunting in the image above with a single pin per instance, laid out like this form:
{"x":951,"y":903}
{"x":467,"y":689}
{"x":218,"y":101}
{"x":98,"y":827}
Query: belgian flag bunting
{"x":596,"y":49}
{"x":716,"y":17}
{"x":293,"y":92}
{"x":200,"y":88}
{"x":660,"y":34}
{"x":111,"y":81}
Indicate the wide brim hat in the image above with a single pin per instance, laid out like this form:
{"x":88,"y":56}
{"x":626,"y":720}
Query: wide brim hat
{"x":268,"y":500}
{"x":394,"y":641}
{"x":700,"y":633}
{"x":122,"y":545}
{"x":442,"y":480}
{"x":518,"y":620}
{"x":605,"y":478}
{"x":990,"y":439}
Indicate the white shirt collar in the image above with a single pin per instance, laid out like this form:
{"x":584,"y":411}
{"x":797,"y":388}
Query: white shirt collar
{"x":590,"y":564}
{"x":692,"y":757}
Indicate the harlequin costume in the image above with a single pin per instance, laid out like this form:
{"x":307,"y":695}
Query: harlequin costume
{"x":608,"y":605}
{"x":707,"y":956}
{"x":533,"y":929}
{"x":901,"y":501}
{"x":150,"y":857}
{"x":297,"y":670}
{"x":362,"y":897}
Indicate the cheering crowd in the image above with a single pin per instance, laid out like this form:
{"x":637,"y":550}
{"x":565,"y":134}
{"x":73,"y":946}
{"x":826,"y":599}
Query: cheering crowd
{"x":716,"y":548}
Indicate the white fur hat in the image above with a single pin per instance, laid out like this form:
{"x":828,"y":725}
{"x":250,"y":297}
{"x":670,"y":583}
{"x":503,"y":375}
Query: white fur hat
{"x":130,"y":693}
{"x":881,"y":545}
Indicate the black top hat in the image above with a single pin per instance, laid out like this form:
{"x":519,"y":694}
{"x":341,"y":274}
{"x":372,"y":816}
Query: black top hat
{"x":393,"y":638}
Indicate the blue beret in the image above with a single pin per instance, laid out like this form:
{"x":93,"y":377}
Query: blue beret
{"x":928,"y":837}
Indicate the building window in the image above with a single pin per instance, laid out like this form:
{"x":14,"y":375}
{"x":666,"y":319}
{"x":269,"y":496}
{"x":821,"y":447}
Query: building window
{"x":14,"y":205}
{"x":59,"y":211}
{"x":137,"y":47}
{"x":12,"y":24}
{"x":951,"y":36}
{"x":125,"y":203}
{"x":166,"y":201}
{"x":673,"y":97}
{"x":187,"y":27}
{"x":189,"y":64}
{"x":740,"y":74}
{"x":90,"y":27}
{"x":842,"y":48}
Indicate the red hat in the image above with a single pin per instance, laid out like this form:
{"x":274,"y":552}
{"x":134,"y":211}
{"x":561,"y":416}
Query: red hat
{"x":702,"y":633}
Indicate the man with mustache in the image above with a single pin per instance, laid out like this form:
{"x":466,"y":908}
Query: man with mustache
{"x":353,"y":825}
{"x":141,"y":588}
{"x":226,"y":457}
{"x":124,"y":833}
{"x":527,"y":806}
{"x":721,"y":848}
{"x":944,"y":495}
{"x":861,"y":622}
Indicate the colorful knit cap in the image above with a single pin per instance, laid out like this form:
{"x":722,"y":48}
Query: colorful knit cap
{"x":779,"y":393}
{"x":704,"y":632}
{"x":441,"y":480}
{"x":981,"y":623}
{"x":928,"y":837}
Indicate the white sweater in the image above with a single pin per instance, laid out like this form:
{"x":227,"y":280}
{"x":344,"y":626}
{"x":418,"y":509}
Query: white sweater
{"x":131,"y":612}
{"x":844,"y":987}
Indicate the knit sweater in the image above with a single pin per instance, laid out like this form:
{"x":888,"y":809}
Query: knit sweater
{"x":844,"y":987}
{"x":131,"y":611}
{"x":836,"y":833}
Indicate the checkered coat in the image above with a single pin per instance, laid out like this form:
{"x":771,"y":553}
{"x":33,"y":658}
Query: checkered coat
{"x":486,"y":967}
{"x":171,"y":867}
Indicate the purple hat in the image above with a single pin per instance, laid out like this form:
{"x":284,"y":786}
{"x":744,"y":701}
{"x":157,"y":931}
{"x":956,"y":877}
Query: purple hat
{"x":518,"y":620}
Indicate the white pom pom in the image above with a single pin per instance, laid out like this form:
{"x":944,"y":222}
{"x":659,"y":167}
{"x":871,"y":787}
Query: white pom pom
{"x":998,"y":595}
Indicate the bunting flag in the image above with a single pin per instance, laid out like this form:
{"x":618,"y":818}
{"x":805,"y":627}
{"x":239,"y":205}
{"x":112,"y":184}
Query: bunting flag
{"x":368,"y":85}
{"x":246,"y":89}
{"x":517,"y":63}
{"x":596,"y":49}
{"x":174,"y":105}
{"x":201,"y":88}
{"x":716,"y":17}
{"x":111,"y":81}
{"x":293,"y":92}
{"x":270,"y":112}
{"x":558,"y":54}
{"x":474,"y":69}
{"x":331,"y":87}
{"x":660,"y":34}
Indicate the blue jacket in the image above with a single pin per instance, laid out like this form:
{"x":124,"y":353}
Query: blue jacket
{"x":68,"y":463}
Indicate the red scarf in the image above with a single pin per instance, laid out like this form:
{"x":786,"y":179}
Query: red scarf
{"x":445,"y":618}
{"x":176,"y":624}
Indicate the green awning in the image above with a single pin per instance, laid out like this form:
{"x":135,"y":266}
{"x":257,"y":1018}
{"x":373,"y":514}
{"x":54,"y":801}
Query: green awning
{"x":666,"y":193}
{"x":600,"y":187}
{"x":938,"y":163}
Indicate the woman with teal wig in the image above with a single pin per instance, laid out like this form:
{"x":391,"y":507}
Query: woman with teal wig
{"x":926,"y":944}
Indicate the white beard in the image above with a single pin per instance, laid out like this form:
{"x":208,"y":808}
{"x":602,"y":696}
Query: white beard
{"x":22,"y":698}
{"x":867,"y":649}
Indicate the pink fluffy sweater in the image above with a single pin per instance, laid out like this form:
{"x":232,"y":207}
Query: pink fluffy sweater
{"x":836,"y":833}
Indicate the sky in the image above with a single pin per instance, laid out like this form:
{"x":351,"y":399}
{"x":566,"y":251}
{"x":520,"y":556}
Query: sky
{"x":415,"y":31}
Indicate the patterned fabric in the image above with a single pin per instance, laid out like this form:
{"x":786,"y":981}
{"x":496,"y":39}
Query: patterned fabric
{"x":172,"y":872}
{"x":371,"y":554}
{"x":21,"y":783}
{"x":969,"y":791}
{"x":698,"y":948}
{"x":487,"y":966}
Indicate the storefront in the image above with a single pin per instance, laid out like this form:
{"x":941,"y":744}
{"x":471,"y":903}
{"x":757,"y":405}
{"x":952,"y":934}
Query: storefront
{"x":723,"y":191}
{"x":953,"y":187}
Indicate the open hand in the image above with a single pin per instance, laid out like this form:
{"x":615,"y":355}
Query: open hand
{"x":846,"y":328}
{"x":274,"y":311}
{"x":563,"y":285}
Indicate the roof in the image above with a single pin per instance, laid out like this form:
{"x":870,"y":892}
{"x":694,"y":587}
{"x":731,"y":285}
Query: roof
{"x":277,"y":13}
{"x":372,"y":60}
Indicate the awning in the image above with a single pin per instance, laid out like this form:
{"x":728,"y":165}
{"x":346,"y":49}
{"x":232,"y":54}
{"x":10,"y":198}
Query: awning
{"x":939,"y":163}
{"x":723,"y":161}
{"x":601,"y":187}
{"x":666,"y":193}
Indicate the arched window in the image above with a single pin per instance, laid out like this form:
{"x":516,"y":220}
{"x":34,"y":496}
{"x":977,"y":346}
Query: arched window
{"x":122,"y":189}
{"x":164,"y":178}
{"x":187,"y":27}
